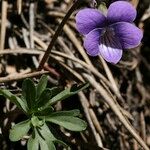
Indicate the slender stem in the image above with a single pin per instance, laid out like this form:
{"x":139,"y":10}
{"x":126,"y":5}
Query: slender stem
{"x":58,"y":31}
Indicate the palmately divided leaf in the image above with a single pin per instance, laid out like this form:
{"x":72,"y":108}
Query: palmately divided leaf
{"x":14,"y":99}
{"x":44,"y":112}
{"x":75,"y":89}
{"x":47,"y":138}
{"x":51,"y":145}
{"x":46,"y":133}
{"x":6,"y":94}
{"x":74,"y":113}
{"x":66,"y":93}
{"x":46,"y":146}
{"x":41,"y":85}
{"x":36,"y":122}
{"x":44,"y":98}
{"x":33,"y":143}
{"x":21,"y":104}
{"x":55,"y":90}
{"x":29,"y":92}
{"x":19,"y":130}
{"x":62,"y":143}
{"x":68,"y":122}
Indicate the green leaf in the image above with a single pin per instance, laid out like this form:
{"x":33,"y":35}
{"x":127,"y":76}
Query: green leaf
{"x":47,"y":138}
{"x":68,"y":122}
{"x":33,"y":143}
{"x":44,"y":112}
{"x":19,"y":130}
{"x":46,"y":146}
{"x":55,"y":90}
{"x":41,"y":85}
{"x":7,"y":94}
{"x":14,"y":99}
{"x":36,"y":122}
{"x":51,"y":145}
{"x":62,"y":143}
{"x":44,"y":98}
{"x":66,"y":93}
{"x":29,"y":92}
{"x":74,"y":113}
{"x":21,"y":104}
{"x":46,"y":133}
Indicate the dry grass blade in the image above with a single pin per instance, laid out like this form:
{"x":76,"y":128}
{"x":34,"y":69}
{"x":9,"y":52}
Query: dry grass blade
{"x":21,"y":76}
{"x":85,"y":104}
{"x":116,"y":110}
{"x":3,"y":23}
{"x":19,"y":6}
{"x":111,"y":78}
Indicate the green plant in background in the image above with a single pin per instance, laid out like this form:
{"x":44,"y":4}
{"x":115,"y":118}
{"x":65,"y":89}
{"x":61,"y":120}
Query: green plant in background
{"x":36,"y":102}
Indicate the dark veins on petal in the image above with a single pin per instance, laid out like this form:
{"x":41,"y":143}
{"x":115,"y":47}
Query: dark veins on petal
{"x":109,"y":38}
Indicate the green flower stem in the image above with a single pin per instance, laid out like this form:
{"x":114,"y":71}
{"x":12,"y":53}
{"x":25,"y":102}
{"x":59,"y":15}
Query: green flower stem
{"x":58,"y":31}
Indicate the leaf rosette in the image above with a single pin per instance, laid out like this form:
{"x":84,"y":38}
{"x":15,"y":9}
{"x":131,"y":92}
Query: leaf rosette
{"x":37,"y":103}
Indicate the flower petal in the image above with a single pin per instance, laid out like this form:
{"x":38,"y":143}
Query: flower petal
{"x":121,"y":11}
{"x":91,"y":42}
{"x":110,"y":48}
{"x":129,"y":35}
{"x":89,"y":19}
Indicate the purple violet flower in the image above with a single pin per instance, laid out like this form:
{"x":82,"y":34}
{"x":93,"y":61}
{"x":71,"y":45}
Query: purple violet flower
{"x":109,"y":35}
